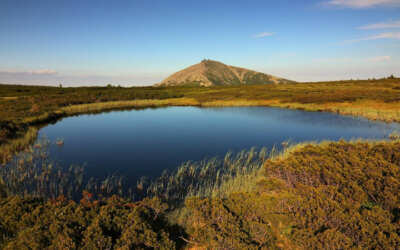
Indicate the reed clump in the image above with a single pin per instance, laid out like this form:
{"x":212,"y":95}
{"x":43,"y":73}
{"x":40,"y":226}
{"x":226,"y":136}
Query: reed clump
{"x":34,"y":173}
{"x":215,"y":177}
{"x":395,"y":136}
{"x":11,"y":147}
{"x":60,"y":142}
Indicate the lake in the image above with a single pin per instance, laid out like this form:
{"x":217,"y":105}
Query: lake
{"x":145,"y":142}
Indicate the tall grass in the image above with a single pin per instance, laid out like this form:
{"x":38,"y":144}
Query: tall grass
{"x":10,"y":148}
{"x":215,"y":177}
{"x":33,"y":172}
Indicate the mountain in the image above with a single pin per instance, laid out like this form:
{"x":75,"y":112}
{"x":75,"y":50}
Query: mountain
{"x":212,"y":73}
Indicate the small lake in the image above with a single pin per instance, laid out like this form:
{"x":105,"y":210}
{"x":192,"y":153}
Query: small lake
{"x":145,"y":142}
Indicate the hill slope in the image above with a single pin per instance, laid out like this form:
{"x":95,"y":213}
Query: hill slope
{"x":212,"y":73}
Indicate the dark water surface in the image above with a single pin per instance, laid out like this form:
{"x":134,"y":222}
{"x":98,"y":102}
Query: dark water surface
{"x":145,"y":142}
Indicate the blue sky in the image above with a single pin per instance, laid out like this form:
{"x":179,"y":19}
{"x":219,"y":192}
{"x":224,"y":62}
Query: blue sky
{"x":141,"y":42}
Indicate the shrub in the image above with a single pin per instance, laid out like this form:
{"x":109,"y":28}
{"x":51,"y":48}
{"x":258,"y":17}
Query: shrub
{"x":61,"y":224}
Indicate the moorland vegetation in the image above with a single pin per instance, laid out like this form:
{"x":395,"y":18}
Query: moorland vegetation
{"x":333,"y":195}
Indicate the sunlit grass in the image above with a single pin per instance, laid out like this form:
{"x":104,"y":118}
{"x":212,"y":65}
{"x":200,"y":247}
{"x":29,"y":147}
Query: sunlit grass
{"x":9,"y":149}
{"x":215,"y":177}
{"x":370,"y":109}
{"x":102,"y":106}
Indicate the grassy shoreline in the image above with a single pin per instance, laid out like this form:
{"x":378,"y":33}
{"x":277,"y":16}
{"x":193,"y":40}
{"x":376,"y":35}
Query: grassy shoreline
{"x":23,"y":108}
{"x":372,"y":111}
{"x":369,"y":110}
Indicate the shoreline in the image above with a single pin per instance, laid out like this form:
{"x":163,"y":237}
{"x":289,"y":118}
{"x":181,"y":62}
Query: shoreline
{"x":31,"y":125}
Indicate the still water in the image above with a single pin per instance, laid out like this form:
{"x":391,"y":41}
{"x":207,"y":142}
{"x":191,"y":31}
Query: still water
{"x":145,"y":142}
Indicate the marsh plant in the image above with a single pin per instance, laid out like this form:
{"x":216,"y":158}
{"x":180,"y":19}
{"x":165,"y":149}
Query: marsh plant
{"x":33,"y":172}
{"x":394,"y":136}
{"x":60,"y":141}
{"x":215,"y":177}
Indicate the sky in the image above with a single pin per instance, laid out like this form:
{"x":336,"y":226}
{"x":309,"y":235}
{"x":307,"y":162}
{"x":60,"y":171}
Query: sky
{"x":136,"y":43}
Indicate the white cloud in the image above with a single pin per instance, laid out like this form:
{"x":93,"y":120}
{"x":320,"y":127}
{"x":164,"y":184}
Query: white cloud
{"x":379,"y":59}
{"x":43,"y":72}
{"x":31,"y":72}
{"x":52,"y":78}
{"x":383,"y":25}
{"x":387,"y":35}
{"x":363,"y":3}
{"x":263,"y":34}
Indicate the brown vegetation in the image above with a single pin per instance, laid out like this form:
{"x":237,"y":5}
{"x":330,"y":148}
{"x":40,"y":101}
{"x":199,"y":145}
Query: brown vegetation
{"x":334,"y":195}
{"x":112,"y":223}
{"x":331,"y":196}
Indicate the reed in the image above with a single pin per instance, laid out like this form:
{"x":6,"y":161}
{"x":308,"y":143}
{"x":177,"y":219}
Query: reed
{"x":215,"y":177}
{"x":32,"y":172}
{"x":394,"y":136}
{"x":60,"y":142}
{"x":10,"y":148}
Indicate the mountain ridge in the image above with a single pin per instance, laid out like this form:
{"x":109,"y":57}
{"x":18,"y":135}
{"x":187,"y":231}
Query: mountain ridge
{"x":213,"y":73}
